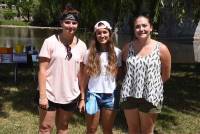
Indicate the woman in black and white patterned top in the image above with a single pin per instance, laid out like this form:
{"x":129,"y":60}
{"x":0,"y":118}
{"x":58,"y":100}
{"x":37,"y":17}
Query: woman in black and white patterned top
{"x":148,"y":66}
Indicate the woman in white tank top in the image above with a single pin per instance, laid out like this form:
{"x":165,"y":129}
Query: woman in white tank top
{"x":102,"y":65}
{"x":148,"y":66}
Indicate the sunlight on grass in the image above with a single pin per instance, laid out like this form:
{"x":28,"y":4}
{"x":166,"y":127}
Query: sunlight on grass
{"x":171,"y":121}
{"x":13,"y":22}
{"x":19,"y":122}
{"x":180,"y":113}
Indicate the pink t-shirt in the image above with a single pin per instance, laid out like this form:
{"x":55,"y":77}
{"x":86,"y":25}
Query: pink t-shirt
{"x":61,"y":78}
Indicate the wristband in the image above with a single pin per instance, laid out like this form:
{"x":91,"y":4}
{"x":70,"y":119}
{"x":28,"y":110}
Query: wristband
{"x":42,"y":98}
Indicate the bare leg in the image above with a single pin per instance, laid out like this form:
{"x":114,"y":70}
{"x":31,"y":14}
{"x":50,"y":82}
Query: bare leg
{"x":133,"y":121}
{"x":107,"y":118}
{"x":147,"y":122}
{"x":62,"y":121}
{"x":92,"y":123}
{"x":46,"y":123}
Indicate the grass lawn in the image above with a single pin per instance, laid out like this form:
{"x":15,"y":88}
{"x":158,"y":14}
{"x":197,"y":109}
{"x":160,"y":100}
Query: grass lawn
{"x":180,"y":114}
{"x":13,"y":22}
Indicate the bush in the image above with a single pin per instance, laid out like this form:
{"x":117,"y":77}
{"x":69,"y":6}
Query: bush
{"x":8,"y":15}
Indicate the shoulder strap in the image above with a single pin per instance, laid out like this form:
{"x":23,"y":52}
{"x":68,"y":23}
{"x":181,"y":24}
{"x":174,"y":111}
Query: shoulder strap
{"x":158,"y":46}
{"x":157,"y":49}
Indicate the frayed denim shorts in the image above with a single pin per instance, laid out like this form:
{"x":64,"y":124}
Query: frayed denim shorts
{"x":105,"y":100}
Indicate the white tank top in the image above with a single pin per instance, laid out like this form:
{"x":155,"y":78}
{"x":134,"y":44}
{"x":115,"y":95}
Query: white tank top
{"x":143,"y":78}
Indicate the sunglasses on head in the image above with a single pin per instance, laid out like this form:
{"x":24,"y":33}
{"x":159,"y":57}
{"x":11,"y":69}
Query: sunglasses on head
{"x":69,"y":53}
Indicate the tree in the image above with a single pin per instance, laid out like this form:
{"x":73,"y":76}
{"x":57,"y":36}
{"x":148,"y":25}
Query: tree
{"x":26,"y":8}
{"x":46,"y":13}
{"x":115,"y":11}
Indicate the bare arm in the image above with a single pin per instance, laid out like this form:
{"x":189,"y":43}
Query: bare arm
{"x":43,"y":64}
{"x":83,"y":81}
{"x":165,"y":57}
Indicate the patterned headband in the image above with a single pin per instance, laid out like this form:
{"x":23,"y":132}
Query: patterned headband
{"x":70,"y":16}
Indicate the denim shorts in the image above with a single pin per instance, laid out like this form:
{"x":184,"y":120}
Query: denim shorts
{"x":141,"y":104}
{"x":107,"y":100}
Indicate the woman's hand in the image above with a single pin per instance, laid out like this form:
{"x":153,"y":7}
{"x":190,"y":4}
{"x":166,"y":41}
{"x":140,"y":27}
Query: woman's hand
{"x":81,"y":106}
{"x":43,"y":103}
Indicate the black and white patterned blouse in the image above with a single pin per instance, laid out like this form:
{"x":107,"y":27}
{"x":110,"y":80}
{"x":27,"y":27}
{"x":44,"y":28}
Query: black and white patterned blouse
{"x":143,"y":77}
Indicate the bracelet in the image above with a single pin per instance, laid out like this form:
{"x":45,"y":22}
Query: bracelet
{"x":82,"y":99}
{"x":42,"y":98}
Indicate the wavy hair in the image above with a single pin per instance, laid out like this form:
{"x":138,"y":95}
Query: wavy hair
{"x":93,"y":65}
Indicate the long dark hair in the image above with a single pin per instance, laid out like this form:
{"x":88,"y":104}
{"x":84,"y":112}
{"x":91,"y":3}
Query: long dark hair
{"x":143,"y":13}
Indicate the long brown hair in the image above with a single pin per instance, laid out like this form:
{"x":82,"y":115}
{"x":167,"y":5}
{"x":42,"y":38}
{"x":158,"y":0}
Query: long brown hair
{"x":93,"y":62}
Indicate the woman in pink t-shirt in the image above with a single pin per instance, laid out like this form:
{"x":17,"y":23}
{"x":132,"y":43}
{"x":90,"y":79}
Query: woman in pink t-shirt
{"x":60,"y":68}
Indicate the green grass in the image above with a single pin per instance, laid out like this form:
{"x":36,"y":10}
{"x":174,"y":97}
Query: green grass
{"x":13,"y":22}
{"x":180,"y":114}
{"x":3,"y":21}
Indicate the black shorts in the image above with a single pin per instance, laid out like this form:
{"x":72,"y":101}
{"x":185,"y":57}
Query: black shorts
{"x":71,"y":107}
{"x":141,"y":104}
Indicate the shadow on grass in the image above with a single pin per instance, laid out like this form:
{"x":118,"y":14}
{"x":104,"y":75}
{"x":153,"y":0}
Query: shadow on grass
{"x":19,"y":94}
{"x":181,"y":94}
{"x":182,"y":90}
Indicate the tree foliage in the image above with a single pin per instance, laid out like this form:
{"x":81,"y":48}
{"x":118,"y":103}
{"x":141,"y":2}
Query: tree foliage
{"x":183,"y":8}
{"x":24,"y":8}
{"x":46,"y":12}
